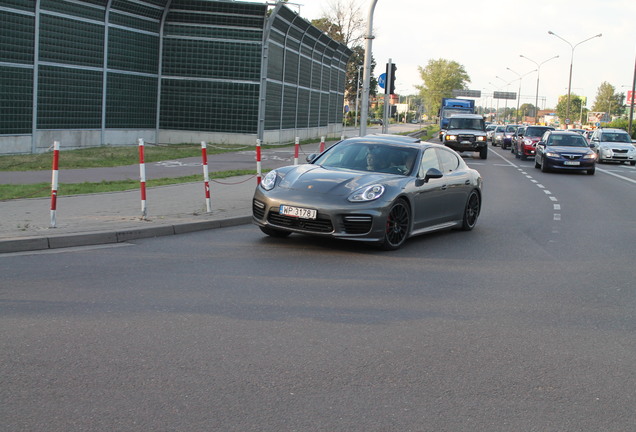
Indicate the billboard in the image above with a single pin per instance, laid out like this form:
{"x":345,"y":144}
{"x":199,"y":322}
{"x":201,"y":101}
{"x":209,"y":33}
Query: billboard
{"x":630,"y":98}
{"x":504,"y":95}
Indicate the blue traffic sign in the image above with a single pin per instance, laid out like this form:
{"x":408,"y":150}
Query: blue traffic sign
{"x":382,"y":81}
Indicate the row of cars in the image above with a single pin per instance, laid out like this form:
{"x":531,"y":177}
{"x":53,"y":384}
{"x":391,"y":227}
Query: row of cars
{"x":607,"y":145}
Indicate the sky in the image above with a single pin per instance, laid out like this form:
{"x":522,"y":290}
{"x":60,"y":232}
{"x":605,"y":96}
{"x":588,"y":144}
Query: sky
{"x":488,"y":37}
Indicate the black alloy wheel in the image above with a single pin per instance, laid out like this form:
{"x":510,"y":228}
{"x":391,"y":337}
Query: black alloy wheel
{"x":398,"y":224}
{"x":471,"y":212}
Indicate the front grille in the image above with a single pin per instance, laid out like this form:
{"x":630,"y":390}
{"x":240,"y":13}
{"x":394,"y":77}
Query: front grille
{"x":258,"y":209}
{"x":320,"y":225}
{"x":357,"y":224}
{"x":619,"y":150}
{"x":570,"y":156}
{"x":470,"y":138}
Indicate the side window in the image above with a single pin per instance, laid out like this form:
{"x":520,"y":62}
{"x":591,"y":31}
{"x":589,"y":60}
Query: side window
{"x":429,"y":160}
{"x":450,"y":163}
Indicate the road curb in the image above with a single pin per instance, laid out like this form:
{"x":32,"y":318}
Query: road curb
{"x":117,"y":236}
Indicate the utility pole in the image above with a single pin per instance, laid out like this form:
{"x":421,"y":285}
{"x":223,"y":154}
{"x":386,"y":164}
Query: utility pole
{"x":367,"y":70}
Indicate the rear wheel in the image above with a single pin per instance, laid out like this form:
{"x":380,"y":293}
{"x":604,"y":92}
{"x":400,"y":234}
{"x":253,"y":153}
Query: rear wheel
{"x":272,"y":232}
{"x":398,"y":224}
{"x":471,"y":212}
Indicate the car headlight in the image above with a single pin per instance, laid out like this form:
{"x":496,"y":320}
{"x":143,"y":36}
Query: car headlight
{"x":552,"y":154}
{"x":451,"y":137}
{"x":269,"y":181}
{"x":590,"y":156}
{"x":368,"y":193}
{"x":481,"y":138}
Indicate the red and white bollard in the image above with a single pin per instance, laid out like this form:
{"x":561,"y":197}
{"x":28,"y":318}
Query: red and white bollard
{"x":142,"y":178}
{"x":206,"y":175}
{"x":54,"y":182}
{"x":322,"y":144}
{"x":296,"y":148}
{"x":258,"y":162}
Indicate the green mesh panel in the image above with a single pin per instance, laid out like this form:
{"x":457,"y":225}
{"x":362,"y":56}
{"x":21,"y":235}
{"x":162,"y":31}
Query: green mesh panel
{"x":273,"y":106}
{"x":132,"y":51}
{"x":74,"y":8}
{"x":70,"y":41}
{"x":209,"y":106}
{"x":16,"y":38}
{"x":212,"y":59}
{"x":69,"y":98}
{"x":25,"y":5}
{"x":16,"y":100}
{"x":132,"y":101}
{"x":133,"y":22}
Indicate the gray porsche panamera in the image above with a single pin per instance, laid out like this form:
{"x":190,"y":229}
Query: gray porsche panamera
{"x":371,"y":189}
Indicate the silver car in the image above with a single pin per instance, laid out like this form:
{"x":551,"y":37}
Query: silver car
{"x":370,"y":189}
{"x":613,"y":145}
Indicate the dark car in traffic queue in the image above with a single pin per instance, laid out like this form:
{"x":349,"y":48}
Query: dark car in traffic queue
{"x":525,"y":143}
{"x":507,"y":137}
{"x":372,"y":190}
{"x":561,"y":150}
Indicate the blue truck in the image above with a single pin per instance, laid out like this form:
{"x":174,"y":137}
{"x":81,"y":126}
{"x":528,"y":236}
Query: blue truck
{"x":452,"y":106}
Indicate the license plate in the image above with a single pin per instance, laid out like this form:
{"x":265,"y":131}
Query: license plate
{"x":573,"y":163}
{"x":299,"y":212}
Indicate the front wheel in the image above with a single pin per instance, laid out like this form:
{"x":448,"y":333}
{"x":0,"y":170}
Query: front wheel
{"x":483,"y":153}
{"x":471,"y":212}
{"x":632,"y":163}
{"x":398,"y":224}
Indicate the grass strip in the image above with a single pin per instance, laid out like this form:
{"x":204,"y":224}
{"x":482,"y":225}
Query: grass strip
{"x":40,"y":190}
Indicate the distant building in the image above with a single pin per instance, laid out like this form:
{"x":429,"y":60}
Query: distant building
{"x":90,"y":73}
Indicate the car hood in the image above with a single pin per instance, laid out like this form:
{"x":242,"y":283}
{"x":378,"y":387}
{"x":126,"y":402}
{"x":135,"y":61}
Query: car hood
{"x":320,"y":180}
{"x":617,"y":145}
{"x":465,"y":132}
{"x":568,"y":149}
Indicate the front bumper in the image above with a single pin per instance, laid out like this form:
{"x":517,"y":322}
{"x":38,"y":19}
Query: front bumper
{"x":362,"y":222}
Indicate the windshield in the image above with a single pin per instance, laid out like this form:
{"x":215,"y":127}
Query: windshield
{"x":370,"y":156}
{"x":447,"y":112}
{"x":511,"y":128}
{"x":567,"y":141}
{"x":466,"y":123}
{"x":537,"y":132}
{"x":616,"y":137}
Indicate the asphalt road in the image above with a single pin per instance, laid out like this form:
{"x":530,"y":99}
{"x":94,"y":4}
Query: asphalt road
{"x":524,"y":324}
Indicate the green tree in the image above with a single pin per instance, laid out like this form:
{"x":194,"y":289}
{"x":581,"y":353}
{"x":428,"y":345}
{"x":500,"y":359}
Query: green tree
{"x":607,"y":100}
{"x":440,"y":78}
{"x":576,"y":102}
{"x":527,"y":109}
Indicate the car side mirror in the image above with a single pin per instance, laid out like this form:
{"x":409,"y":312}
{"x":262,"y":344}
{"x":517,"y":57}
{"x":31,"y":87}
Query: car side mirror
{"x":432,"y":173}
{"x":312,"y":157}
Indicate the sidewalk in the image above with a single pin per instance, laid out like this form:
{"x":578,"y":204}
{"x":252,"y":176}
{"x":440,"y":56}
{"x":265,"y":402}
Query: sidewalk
{"x":116,"y":217}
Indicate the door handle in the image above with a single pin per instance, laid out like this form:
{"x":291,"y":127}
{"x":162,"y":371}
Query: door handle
{"x":467,"y":182}
{"x":444,"y":187}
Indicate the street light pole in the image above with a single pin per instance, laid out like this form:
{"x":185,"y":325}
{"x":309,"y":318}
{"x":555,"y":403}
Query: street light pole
{"x":536,"y":99}
{"x":567,"y":112}
{"x":367,"y":70}
{"x":355,"y":121}
{"x":519,"y":94}
{"x":631,"y":108}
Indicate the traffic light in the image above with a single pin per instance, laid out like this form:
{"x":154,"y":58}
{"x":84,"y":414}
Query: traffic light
{"x":390,"y":85}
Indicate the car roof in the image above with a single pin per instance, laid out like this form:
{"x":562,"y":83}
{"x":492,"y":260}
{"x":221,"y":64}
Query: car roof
{"x":397,"y":140}
{"x":393,"y":137}
{"x":613,"y":130}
